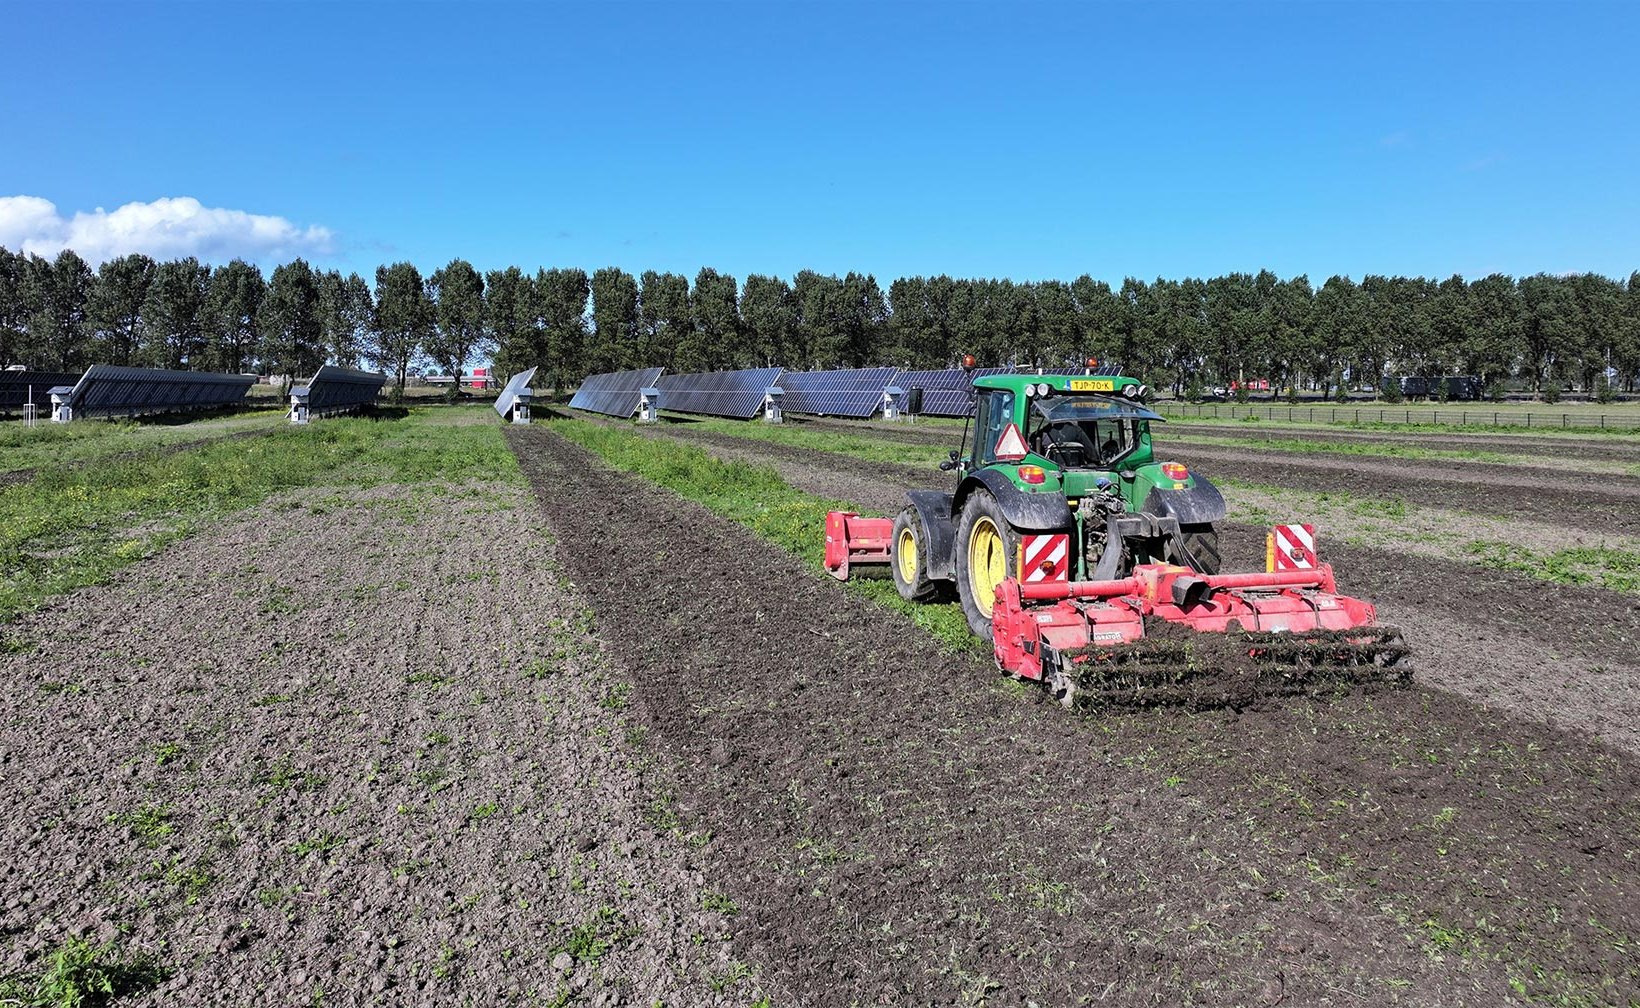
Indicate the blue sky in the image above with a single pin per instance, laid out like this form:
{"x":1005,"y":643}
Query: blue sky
{"x":1025,"y":140}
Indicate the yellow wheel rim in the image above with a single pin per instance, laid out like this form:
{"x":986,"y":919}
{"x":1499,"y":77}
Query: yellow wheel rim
{"x":905,"y":555}
{"x":987,"y":563}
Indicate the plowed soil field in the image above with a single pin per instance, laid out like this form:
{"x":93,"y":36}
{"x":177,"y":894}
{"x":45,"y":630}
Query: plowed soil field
{"x":898,"y":826}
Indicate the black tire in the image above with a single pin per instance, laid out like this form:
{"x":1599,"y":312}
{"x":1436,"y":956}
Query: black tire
{"x":918,"y":586}
{"x":1202,"y":543}
{"x":981,"y":508}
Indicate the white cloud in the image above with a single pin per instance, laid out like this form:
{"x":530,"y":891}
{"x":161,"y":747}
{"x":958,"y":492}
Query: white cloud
{"x":167,"y":228}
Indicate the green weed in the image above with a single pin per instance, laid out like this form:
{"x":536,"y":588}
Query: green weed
{"x":82,"y":975}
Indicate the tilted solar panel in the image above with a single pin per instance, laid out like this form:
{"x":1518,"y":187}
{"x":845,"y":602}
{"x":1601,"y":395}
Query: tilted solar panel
{"x":336,"y":389}
{"x":856,"y":392}
{"x":615,"y":393}
{"x":736,"y":394}
{"x":105,"y":390}
{"x":16,"y":388}
{"x":516,"y":384}
{"x":946,"y":393}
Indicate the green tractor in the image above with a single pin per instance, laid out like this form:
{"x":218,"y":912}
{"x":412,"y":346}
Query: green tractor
{"x":1058,"y":483}
{"x":1081,"y":558}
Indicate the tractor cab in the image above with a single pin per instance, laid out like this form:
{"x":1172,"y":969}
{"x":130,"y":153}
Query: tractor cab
{"x":1065,"y":435}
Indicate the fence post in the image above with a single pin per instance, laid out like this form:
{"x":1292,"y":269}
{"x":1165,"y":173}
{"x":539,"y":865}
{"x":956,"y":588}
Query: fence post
{"x":1437,"y":420}
{"x":1565,"y":420}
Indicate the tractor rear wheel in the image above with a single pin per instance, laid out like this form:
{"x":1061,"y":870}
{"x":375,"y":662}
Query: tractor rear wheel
{"x":1202,"y":543}
{"x":908,"y":558}
{"x":986,"y":547}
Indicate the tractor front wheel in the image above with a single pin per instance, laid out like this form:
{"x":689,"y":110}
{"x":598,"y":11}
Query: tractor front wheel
{"x":908,"y":558}
{"x":1202,"y":543}
{"x":986,"y":548}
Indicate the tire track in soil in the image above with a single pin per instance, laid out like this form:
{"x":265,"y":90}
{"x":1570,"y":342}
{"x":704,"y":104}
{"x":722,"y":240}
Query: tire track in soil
{"x":892,"y":828}
{"x":1557,"y":653}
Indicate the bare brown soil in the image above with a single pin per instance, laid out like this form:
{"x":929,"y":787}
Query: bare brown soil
{"x":349,"y":748}
{"x":1611,"y":504}
{"x":898,"y":828}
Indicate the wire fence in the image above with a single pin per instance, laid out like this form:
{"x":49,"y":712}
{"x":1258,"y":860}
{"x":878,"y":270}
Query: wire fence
{"x":1460,"y":416}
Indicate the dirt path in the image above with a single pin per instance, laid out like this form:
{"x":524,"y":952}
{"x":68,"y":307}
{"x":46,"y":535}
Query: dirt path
{"x":899,"y":829}
{"x":1559,"y":653}
{"x":338,"y":751}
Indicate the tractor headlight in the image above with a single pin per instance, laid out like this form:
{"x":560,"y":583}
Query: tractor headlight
{"x":1130,"y":390}
{"x":1043,"y":388}
{"x":1030,"y":391}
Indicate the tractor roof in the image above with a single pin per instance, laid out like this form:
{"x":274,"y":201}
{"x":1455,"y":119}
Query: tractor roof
{"x":1060,"y":383}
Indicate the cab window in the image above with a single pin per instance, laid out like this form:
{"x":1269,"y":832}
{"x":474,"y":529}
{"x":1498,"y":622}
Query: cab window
{"x":994,"y":411}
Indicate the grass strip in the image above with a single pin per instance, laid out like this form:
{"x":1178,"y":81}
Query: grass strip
{"x":73,"y":526}
{"x":87,"y":440}
{"x":755,"y":496}
{"x":1614,"y":569}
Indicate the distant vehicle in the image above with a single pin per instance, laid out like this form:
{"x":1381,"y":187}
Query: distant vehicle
{"x":1251,"y":385}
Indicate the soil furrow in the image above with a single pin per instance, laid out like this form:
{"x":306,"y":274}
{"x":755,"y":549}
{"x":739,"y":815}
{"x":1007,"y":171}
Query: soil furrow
{"x":897,"y":831}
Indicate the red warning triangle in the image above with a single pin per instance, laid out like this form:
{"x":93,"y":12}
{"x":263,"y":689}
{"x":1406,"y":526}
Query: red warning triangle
{"x":1011,"y":446}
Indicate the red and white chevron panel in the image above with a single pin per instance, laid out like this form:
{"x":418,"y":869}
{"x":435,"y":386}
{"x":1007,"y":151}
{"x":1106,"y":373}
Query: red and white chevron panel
{"x":1292,"y":547}
{"x":1045,"y":558}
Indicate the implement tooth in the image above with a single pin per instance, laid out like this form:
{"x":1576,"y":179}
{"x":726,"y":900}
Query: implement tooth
{"x":1179,"y":668}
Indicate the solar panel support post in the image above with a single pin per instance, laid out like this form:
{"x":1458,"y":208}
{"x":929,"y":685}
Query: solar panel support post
{"x":647,"y":398}
{"x":771,"y":405}
{"x":62,"y":411}
{"x":521,"y":406}
{"x":299,"y":404}
{"x":891,"y":402}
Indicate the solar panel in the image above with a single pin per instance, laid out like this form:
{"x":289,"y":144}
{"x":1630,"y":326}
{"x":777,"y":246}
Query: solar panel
{"x":337,"y":389}
{"x":516,"y":384}
{"x":105,"y":390}
{"x":736,"y":394}
{"x":17,"y":386}
{"x":615,"y":393}
{"x":946,"y":393}
{"x":855,"y":392}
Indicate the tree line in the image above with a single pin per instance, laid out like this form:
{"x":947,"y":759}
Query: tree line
{"x":1544,"y":330}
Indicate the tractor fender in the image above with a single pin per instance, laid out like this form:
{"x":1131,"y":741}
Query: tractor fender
{"x":1034,"y":512}
{"x":1198,"y":504}
{"x":939,"y":529}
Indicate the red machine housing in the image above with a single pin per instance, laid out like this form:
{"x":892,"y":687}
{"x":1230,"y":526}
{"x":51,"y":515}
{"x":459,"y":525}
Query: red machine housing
{"x":1071,"y":616}
{"x":851,"y":539}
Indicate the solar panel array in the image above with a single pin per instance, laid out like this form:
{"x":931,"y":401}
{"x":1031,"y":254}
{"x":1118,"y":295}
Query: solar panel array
{"x":105,"y":390}
{"x":848,"y":392}
{"x":516,"y":384}
{"x":735,"y":394}
{"x":337,"y":389}
{"x":16,"y":388}
{"x":856,"y":392}
{"x":946,"y":393}
{"x":616,"y":393}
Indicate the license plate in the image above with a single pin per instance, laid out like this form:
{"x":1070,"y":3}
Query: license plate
{"x":1092,"y":385}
